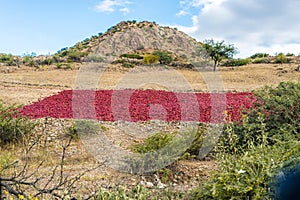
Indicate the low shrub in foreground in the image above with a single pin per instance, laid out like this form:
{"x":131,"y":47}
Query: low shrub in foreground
{"x":247,"y":175}
{"x":160,"y":140}
{"x":276,"y":110}
{"x":252,"y":153}
{"x":137,"y":193}
{"x":280,"y":105}
{"x":13,"y":127}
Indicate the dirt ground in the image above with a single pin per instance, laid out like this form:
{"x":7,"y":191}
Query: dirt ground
{"x":25,"y":85}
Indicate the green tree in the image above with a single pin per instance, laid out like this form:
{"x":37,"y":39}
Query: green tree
{"x":163,"y":57}
{"x":219,"y":50}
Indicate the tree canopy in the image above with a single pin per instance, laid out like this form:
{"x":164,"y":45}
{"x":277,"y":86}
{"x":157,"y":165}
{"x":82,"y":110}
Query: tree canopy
{"x":218,"y":50}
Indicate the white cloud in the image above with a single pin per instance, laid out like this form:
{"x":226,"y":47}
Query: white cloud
{"x":112,"y":5}
{"x":189,"y":30}
{"x":253,"y":26}
{"x":182,"y":13}
{"x":125,"y":10}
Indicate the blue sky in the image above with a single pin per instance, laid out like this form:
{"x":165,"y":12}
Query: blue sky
{"x":252,"y":26}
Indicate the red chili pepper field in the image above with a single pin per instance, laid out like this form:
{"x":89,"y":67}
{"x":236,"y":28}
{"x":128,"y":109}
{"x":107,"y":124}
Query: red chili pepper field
{"x":141,"y":105}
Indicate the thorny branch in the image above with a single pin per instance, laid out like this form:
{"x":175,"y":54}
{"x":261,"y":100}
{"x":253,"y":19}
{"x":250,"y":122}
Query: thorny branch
{"x":57,"y":185}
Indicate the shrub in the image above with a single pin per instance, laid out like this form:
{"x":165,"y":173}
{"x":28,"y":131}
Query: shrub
{"x":249,"y":174}
{"x":128,"y":65}
{"x":28,"y":60}
{"x":261,"y":60}
{"x":280,"y":105}
{"x":48,"y":61}
{"x":259,"y":55}
{"x":131,"y":56}
{"x":281,"y":58}
{"x":13,"y":127}
{"x":251,"y":153}
{"x":275,"y":110}
{"x":163,"y":57}
{"x":76,"y":55}
{"x":290,"y":54}
{"x":8,"y":59}
{"x":150,"y":59}
{"x":152,"y":143}
{"x":94,"y":58}
{"x":237,"y":62}
{"x":137,"y":193}
{"x":160,"y":140}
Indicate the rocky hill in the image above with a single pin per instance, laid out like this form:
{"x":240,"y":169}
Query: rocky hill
{"x":132,"y":37}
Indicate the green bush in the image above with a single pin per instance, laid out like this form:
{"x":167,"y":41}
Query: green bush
{"x":128,"y":65}
{"x":8,"y":59}
{"x":94,"y":58}
{"x":131,"y":56}
{"x":28,"y":60}
{"x":275,"y":110}
{"x":249,"y":174}
{"x":259,"y":55}
{"x":280,"y":105}
{"x":150,"y":59}
{"x":290,"y":54}
{"x":160,"y":140}
{"x":64,"y":66}
{"x":252,"y":152}
{"x":48,"y":61}
{"x":163,"y":57}
{"x":261,"y":60}
{"x":153,"y":143}
{"x":281,"y":58}
{"x":237,"y":62}
{"x":13,"y":127}
{"x":137,"y":193}
{"x":76,"y":55}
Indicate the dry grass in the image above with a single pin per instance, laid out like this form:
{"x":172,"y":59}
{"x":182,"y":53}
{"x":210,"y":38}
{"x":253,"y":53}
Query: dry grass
{"x":26,"y":86}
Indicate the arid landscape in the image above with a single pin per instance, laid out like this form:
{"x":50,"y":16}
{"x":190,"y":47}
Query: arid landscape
{"x":53,"y":162}
{"x":26,"y":85}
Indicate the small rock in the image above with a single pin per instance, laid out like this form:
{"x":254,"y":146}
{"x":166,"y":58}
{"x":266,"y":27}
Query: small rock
{"x":161,"y":185}
{"x":149,"y":184}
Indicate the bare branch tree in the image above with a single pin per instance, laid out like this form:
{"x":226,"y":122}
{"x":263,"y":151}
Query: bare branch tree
{"x":19,"y":178}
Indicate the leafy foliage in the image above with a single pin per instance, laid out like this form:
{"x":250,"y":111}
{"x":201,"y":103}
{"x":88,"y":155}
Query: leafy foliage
{"x":237,"y":62}
{"x":132,"y":56}
{"x":281,"y":58}
{"x":259,"y":55}
{"x":163,"y":57}
{"x":275,"y":110}
{"x":94,"y":58}
{"x":152,"y":143}
{"x":150,"y":59}
{"x":280,"y":105}
{"x":137,"y":193}
{"x":248,"y":174}
{"x":160,"y":140}
{"x":251,"y":153}
{"x":13,"y":127}
{"x":261,"y":60}
{"x":290,"y":54}
{"x":218,"y":50}
{"x":76,"y":55}
{"x":8,"y":59}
